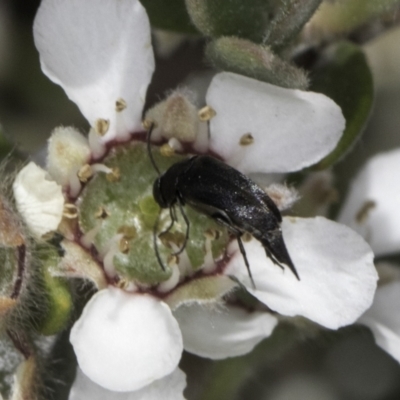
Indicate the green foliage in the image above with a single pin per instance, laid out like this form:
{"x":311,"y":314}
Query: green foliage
{"x":343,"y":75}
{"x":59,"y":304}
{"x":244,"y":18}
{"x":255,"y":61}
{"x":169,"y":15}
{"x":290,"y":18}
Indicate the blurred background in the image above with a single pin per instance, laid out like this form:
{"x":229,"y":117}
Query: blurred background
{"x":344,"y":365}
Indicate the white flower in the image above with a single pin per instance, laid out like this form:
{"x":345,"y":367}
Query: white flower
{"x":115,"y":329}
{"x":383,"y":318}
{"x":335,"y":265}
{"x":292,"y":129}
{"x":168,"y":388}
{"x":39,"y":200}
{"x":372,"y":205}
{"x":372,"y":209}
{"x":219,"y":333}
{"x":99,"y":51}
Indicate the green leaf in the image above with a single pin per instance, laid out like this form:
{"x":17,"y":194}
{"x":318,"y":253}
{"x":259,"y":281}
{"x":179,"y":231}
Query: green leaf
{"x":341,"y":17}
{"x":244,"y":18}
{"x":59,"y":301}
{"x":170,"y":15}
{"x":343,"y":75}
{"x":255,"y":61}
{"x":289,"y":20}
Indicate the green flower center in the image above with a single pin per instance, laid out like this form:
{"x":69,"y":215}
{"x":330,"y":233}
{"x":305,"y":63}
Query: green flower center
{"x":123,"y":213}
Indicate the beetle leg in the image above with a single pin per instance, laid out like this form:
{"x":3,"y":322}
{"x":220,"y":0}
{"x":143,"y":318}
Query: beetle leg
{"x":155,"y":228}
{"x":187,"y":228}
{"x":172,"y":215}
{"x":225,"y":221}
{"x":246,"y":261}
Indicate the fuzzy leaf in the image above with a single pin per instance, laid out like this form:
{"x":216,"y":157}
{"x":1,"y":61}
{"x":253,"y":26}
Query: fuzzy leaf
{"x":290,"y":18}
{"x":255,"y":61}
{"x":343,"y":74}
{"x":243,"y":18}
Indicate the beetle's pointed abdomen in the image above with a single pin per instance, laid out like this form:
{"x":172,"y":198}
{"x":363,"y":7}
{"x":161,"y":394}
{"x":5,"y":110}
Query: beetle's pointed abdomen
{"x":275,"y":248}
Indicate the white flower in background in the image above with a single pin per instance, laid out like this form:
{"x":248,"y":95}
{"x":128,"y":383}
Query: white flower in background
{"x":372,"y":205}
{"x":372,"y":209}
{"x":100,"y":52}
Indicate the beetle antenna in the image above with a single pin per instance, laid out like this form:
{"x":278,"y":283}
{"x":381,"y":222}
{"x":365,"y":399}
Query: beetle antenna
{"x":149,"y":132}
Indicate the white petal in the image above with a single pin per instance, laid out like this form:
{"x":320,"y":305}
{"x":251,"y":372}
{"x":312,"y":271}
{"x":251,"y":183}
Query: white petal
{"x":125,"y":341}
{"x":169,"y":388}
{"x":219,"y":333}
{"x":99,"y":51}
{"x":292,"y":129}
{"x":68,"y":151}
{"x":384,"y":318}
{"x":39,"y":201}
{"x":338,"y":277}
{"x":378,"y":186}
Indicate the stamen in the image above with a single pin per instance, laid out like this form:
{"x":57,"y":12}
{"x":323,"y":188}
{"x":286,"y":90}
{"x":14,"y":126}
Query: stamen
{"x":175,"y":144}
{"x":108,"y":255}
{"x":101,"y":213}
{"x":101,"y":168}
{"x":87,"y":240}
{"x":123,"y":133}
{"x":128,"y":286}
{"x":85,"y":173}
{"x":97,"y":147}
{"x":166,"y":150}
{"x":148,"y":123}
{"x":364,"y":211}
{"x":171,"y":282}
{"x":129,"y":232}
{"x":120,"y":105}
{"x":246,"y":139}
{"x":74,"y":184}
{"x":70,"y":211}
{"x":123,"y":245}
{"x":114,"y":175}
{"x":206,"y":113}
{"x":209,"y":265}
{"x":101,"y":126}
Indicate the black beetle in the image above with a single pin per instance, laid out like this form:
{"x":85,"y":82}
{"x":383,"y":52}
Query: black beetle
{"x":226,"y":195}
